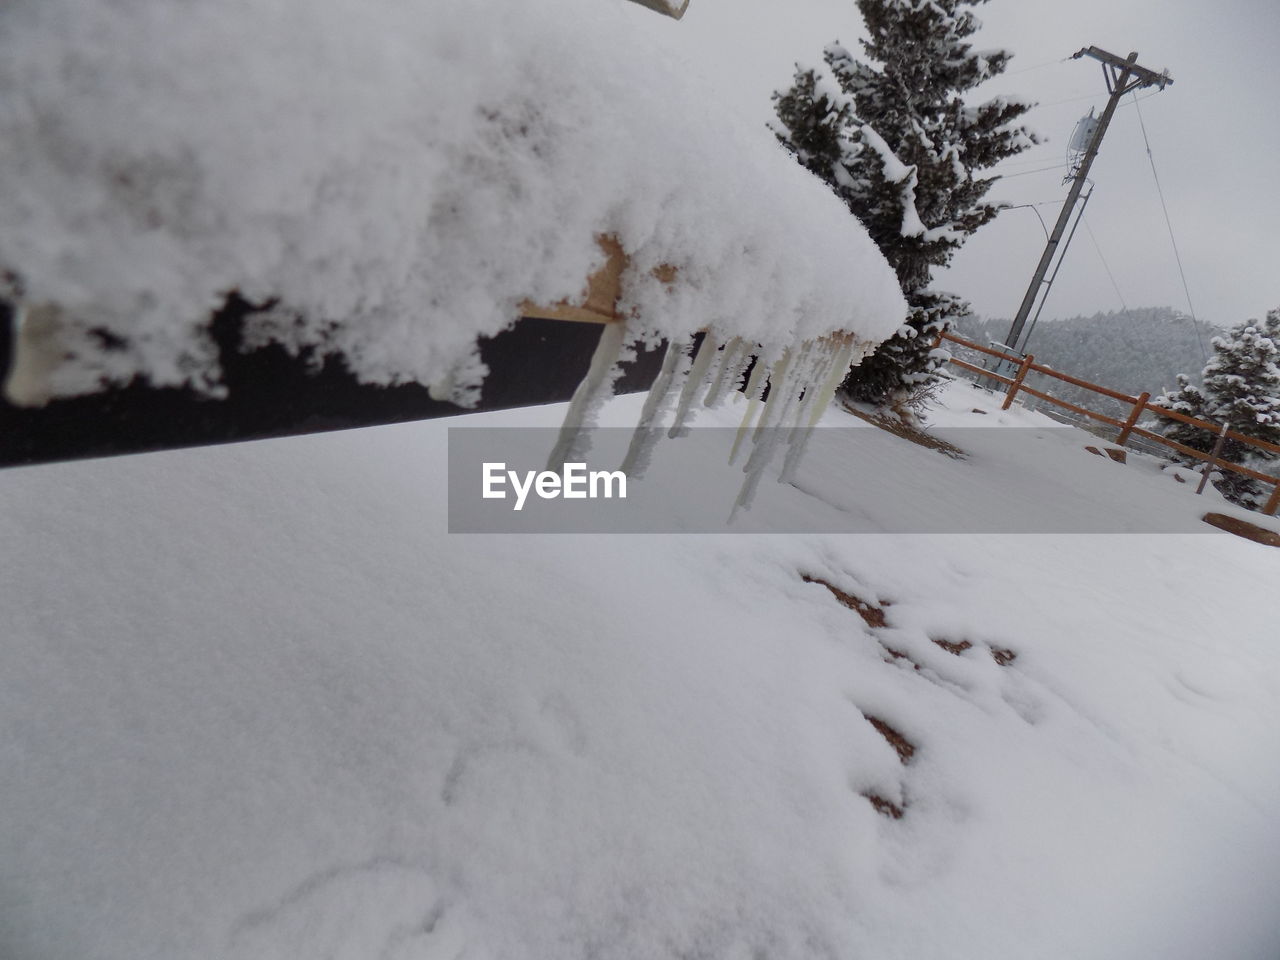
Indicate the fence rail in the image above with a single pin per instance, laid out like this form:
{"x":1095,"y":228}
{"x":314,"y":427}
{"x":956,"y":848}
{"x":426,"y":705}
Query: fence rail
{"x":1128,"y":427}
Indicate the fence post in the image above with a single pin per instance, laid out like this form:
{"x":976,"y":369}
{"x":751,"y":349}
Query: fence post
{"x":1017,"y":381}
{"x":1274,"y":503}
{"x":1213,"y":459}
{"x":1133,"y":419}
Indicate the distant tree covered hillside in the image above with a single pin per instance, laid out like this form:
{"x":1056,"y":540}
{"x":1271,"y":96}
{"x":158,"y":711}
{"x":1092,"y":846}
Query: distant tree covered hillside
{"x":1132,"y":350}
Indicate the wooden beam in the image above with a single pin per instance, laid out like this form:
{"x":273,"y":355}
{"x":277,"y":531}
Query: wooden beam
{"x":1273,"y":503}
{"x":1047,"y":371}
{"x":986,"y":373}
{"x":1211,"y":427}
{"x":981,"y":349}
{"x":598,"y":302}
{"x":1201,"y":455}
{"x":599,"y":299}
{"x":1012,"y":392}
{"x":1133,"y":419}
{"x":1071,"y":406}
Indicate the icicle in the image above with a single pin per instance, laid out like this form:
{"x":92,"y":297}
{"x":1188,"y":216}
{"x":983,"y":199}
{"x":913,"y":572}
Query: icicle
{"x":38,"y":349}
{"x":728,"y":363}
{"x":780,"y":380}
{"x":765,"y":438}
{"x":816,"y":378}
{"x":670,"y":379}
{"x":746,"y":356}
{"x":755,"y":389}
{"x":844,"y":358}
{"x":811,"y":367}
{"x":697,"y":376}
{"x":596,"y":387}
{"x":799,"y":440}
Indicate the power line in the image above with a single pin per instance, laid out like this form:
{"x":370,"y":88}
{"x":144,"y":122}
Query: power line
{"x":1115,"y":286}
{"x":1135,"y":99}
{"x":1024,"y":162}
{"x":1027,"y":173}
{"x":1038,"y":66}
{"x":1054,"y":103}
{"x":1092,"y":96}
{"x":1172,"y":240}
{"x":1032,"y":208}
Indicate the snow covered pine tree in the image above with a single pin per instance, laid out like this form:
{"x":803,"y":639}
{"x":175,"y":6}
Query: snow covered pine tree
{"x":898,"y":144}
{"x":1242,"y":390}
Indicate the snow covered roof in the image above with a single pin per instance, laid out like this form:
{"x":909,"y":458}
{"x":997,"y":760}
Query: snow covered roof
{"x":401,"y":176}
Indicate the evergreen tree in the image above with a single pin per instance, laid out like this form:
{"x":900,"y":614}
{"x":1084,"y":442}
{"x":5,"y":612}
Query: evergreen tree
{"x":1242,"y":390}
{"x":895,"y":140}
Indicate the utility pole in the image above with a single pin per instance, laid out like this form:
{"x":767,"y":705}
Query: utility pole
{"x":1122,"y":76}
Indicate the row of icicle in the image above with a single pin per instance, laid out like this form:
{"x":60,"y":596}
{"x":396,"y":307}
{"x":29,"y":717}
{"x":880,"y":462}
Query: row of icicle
{"x":801,"y":381}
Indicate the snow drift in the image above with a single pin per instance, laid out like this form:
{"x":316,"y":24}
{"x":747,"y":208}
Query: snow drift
{"x":256,"y":703}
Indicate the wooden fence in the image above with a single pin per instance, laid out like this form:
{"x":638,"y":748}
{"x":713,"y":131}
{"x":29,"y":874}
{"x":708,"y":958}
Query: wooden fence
{"x":1128,"y":427}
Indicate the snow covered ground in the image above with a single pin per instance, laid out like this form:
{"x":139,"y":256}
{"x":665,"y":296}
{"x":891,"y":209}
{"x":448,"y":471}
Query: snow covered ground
{"x":256,"y":702}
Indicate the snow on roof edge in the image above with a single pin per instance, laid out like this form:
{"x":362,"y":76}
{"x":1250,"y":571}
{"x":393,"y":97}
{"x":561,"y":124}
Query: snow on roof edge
{"x":156,"y":161}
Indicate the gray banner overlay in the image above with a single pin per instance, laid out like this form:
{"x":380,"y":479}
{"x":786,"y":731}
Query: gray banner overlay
{"x":848,"y":480}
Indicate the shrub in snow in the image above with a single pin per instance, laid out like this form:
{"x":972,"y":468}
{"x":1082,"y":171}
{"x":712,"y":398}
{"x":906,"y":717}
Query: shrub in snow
{"x":1242,"y":390}
{"x":898,"y":145}
{"x":399,"y":177}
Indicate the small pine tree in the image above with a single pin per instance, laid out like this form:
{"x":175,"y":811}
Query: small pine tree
{"x":1190,"y":400}
{"x":1242,"y":390}
{"x":899,"y":145}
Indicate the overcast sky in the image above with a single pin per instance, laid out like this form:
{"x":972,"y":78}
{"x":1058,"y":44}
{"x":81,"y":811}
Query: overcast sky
{"x":1215,"y":138}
